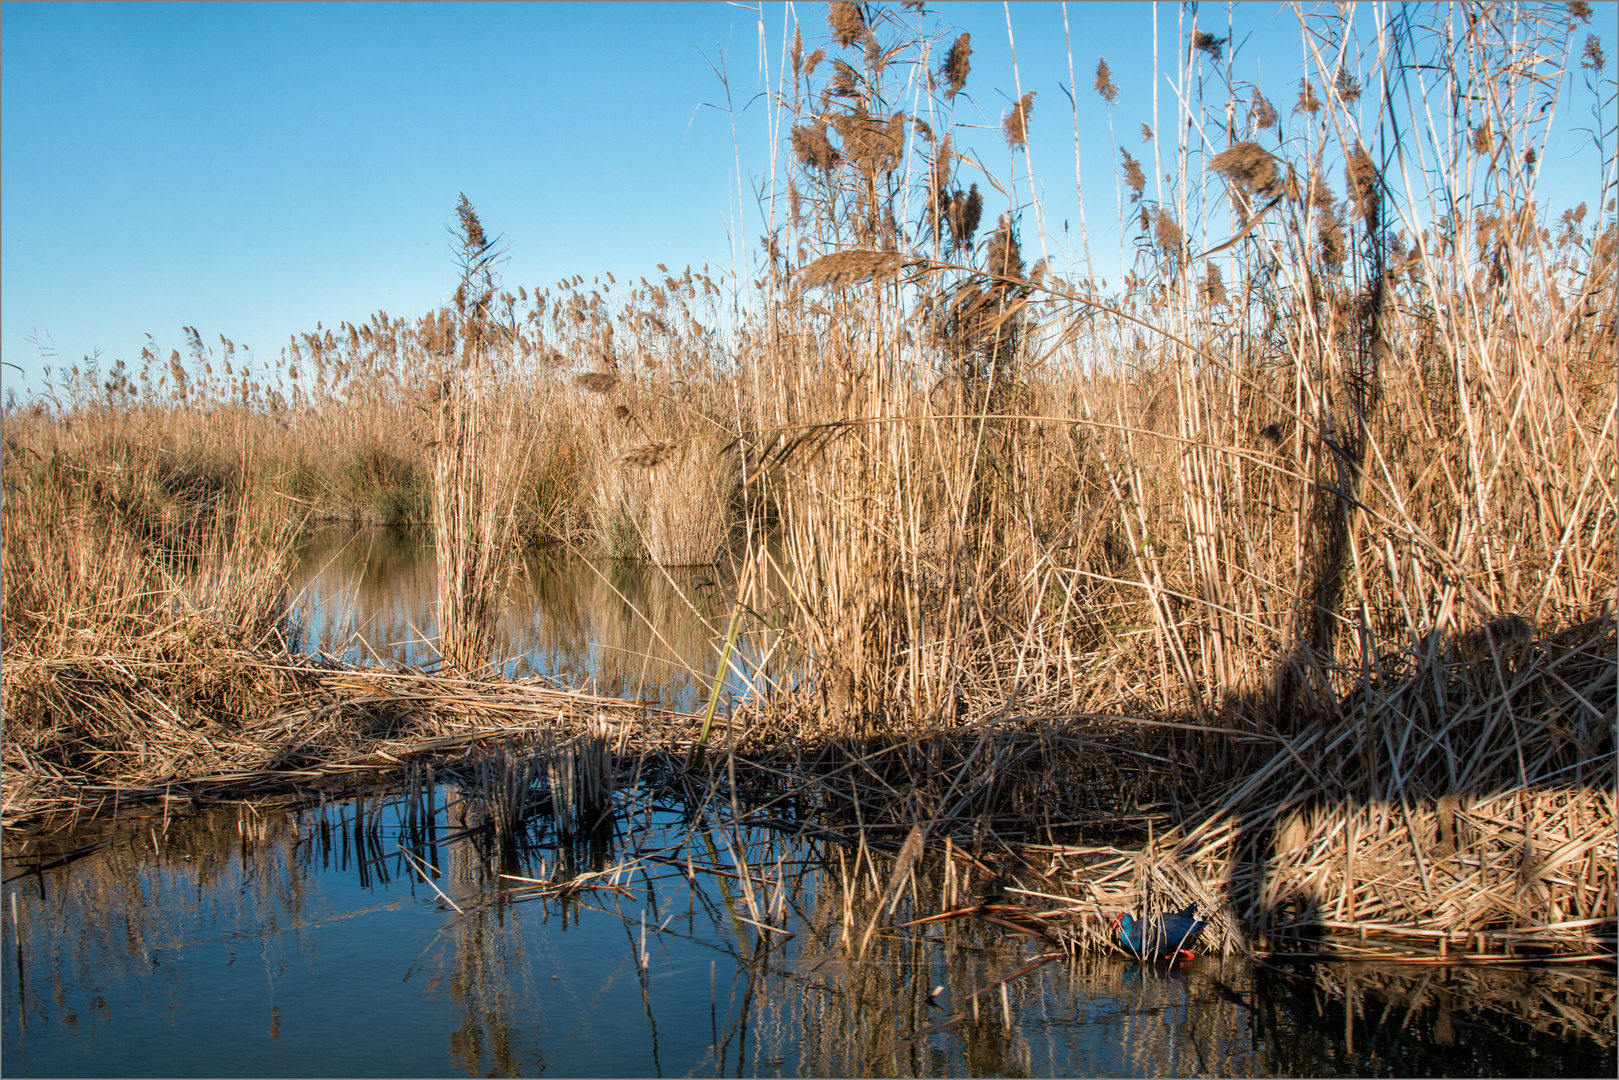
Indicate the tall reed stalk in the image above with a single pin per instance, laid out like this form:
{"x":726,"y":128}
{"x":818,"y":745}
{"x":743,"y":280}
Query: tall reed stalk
{"x":474,"y":478}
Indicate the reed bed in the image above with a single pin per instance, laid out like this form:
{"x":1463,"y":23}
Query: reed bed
{"x":1295,"y":547}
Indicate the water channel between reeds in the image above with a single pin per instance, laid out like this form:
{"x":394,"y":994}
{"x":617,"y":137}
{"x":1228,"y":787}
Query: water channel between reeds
{"x":556,"y":906}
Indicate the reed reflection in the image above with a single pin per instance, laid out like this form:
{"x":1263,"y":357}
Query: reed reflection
{"x":628,"y":629}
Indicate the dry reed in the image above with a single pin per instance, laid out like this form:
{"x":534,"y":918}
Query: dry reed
{"x":1308,"y":550}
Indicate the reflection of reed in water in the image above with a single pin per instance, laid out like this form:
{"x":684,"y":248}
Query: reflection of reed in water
{"x":369,"y":593}
{"x":111,"y":919}
{"x":635,"y":630}
{"x":632,"y":629}
{"x":1438,"y":1020}
{"x":492,"y":980}
{"x":862,"y":1018}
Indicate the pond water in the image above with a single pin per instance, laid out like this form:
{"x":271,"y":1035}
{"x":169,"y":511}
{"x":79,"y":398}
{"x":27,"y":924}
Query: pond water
{"x":306,"y":940}
{"x":623,"y":629}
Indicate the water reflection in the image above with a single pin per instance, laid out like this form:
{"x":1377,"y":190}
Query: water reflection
{"x":301,"y":940}
{"x":625,"y":629}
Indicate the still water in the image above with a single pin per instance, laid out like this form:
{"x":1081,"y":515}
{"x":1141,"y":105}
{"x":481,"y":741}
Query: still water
{"x":623,"y":629}
{"x":305,"y":941}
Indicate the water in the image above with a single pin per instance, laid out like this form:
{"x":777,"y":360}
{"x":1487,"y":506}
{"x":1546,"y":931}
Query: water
{"x":263,"y":940}
{"x":624,"y":629}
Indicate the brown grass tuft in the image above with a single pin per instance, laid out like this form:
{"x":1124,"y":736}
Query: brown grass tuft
{"x":1346,"y":86}
{"x":871,"y":142}
{"x":473,"y":238}
{"x":965,"y":212}
{"x":1263,"y":113}
{"x":1308,"y":102}
{"x":1016,"y":124}
{"x":1207,"y":44}
{"x":1592,"y":58}
{"x":1002,"y":256}
{"x":1167,"y":231}
{"x":1331,"y":246}
{"x":1364,"y":184}
{"x":1134,"y":178}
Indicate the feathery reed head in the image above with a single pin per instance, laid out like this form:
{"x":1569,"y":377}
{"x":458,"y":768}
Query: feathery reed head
{"x":649,"y":455}
{"x":1002,"y":256}
{"x":597,"y":382}
{"x":1248,"y":165}
{"x":1104,"y":82}
{"x":1346,"y":86}
{"x":1307,"y":102}
{"x":1331,"y":247}
{"x":871,"y":142}
{"x":850,"y":267}
{"x":965,"y":211}
{"x":1592,"y":57}
{"x":1016,"y":124}
{"x":471,"y":228}
{"x":957,"y":66}
{"x":1134,"y":178}
{"x":848,"y":26}
{"x":1167,"y":231}
{"x":812,"y":148}
{"x":1363,"y":181}
{"x":1207,"y":44}
{"x":1263,"y":113}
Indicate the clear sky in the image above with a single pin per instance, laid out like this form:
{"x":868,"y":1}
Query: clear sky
{"x":252,"y":169}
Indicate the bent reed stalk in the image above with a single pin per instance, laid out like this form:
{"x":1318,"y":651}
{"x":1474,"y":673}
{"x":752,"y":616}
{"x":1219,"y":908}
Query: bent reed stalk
{"x":1299,"y":544}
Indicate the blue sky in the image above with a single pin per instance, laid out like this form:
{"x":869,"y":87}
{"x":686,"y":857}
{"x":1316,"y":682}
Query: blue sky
{"x":252,"y":169}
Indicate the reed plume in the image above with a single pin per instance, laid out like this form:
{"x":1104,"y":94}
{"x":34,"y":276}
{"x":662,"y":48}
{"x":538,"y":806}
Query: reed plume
{"x":1015,"y":125}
